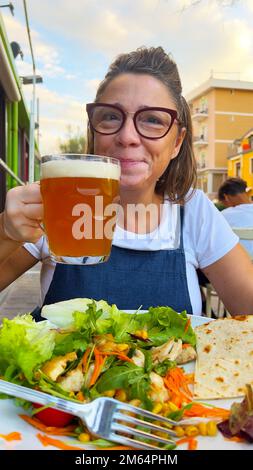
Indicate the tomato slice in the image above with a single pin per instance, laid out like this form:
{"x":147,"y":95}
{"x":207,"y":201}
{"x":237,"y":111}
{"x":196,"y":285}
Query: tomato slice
{"x":53,"y":417}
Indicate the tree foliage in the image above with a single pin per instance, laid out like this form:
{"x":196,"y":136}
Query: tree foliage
{"x":74,"y":143}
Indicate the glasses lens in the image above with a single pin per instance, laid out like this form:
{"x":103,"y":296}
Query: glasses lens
{"x":152,"y":123}
{"x":106,"y":119}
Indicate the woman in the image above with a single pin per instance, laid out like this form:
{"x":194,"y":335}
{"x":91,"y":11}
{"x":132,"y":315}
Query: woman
{"x":141,"y":118}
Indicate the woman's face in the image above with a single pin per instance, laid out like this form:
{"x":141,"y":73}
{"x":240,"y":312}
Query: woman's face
{"x":142,"y":160}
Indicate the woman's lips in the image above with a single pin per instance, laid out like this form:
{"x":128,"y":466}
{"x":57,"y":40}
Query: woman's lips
{"x":128,"y":163}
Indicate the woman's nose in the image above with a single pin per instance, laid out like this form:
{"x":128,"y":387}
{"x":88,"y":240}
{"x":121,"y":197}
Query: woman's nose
{"x":128,"y":134}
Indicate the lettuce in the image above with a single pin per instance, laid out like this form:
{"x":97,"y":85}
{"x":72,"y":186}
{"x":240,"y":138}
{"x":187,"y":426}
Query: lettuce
{"x":99,"y":317}
{"x":164,"y":323}
{"x":61,"y":314}
{"x":24,"y":345}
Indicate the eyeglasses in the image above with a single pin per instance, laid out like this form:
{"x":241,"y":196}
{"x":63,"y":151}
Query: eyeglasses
{"x":150,"y":122}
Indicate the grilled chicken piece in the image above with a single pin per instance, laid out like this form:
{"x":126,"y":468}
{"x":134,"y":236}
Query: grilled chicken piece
{"x":57,"y":365}
{"x":188,"y":354}
{"x":73,"y":380}
{"x":169,"y":350}
{"x":158,"y":392}
{"x":138,"y":358}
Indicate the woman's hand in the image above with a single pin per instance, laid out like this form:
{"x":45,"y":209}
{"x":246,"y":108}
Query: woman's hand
{"x":23,"y":214}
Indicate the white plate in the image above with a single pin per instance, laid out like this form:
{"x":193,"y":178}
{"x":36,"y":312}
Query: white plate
{"x":10,"y":422}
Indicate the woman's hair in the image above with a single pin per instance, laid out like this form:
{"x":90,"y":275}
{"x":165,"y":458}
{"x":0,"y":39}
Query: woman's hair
{"x":180,"y":175}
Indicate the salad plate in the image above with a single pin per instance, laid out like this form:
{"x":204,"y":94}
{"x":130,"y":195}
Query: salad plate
{"x":10,"y":422}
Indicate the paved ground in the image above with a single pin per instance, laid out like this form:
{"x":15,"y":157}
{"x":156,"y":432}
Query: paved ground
{"x":22,"y":295}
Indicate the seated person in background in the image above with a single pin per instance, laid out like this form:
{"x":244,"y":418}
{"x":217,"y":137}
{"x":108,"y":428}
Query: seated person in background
{"x":239,"y":209}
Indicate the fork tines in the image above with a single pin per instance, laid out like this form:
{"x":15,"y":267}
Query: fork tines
{"x":129,"y":426}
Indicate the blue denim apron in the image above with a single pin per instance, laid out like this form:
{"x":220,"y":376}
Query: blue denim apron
{"x":129,"y":279}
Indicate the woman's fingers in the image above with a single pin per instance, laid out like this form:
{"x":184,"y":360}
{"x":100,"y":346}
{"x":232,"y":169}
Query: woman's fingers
{"x":33,"y":211}
{"x":30,"y":193}
{"x":23,"y":213}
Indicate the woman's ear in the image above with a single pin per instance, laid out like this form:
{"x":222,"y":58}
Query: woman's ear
{"x":179,"y":140}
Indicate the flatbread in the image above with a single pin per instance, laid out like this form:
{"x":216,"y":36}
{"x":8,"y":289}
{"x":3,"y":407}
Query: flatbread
{"x":224,"y":362}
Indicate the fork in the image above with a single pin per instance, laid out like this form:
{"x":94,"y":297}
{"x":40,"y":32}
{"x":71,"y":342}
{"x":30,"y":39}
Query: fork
{"x":106,"y":417}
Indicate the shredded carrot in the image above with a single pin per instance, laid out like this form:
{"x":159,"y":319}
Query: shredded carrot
{"x":80,"y":396}
{"x":200,"y":410}
{"x":192,"y":443}
{"x":99,"y":362}
{"x":187,"y":325}
{"x":185,"y":345}
{"x":235,"y":439}
{"x":176,"y":383}
{"x":120,"y":355}
{"x":35,"y":422}
{"x":12,"y":436}
{"x":183,"y":440}
{"x":49,"y":441}
{"x":189,"y":378}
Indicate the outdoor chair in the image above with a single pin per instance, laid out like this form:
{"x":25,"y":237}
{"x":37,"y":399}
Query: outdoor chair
{"x":244,"y":234}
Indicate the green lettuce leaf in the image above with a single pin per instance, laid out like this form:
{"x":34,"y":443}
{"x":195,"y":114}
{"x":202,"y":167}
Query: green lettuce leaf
{"x":166,"y":323}
{"x":24,"y":345}
{"x":119,"y":377}
{"x":61,"y":314}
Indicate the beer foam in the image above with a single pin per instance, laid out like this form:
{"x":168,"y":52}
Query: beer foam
{"x":80,"y":168}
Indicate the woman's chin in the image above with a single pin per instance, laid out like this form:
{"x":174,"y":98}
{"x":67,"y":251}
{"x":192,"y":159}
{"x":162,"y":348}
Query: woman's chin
{"x":132,"y":182}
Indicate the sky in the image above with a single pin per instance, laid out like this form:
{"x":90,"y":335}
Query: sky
{"x":74,"y":42}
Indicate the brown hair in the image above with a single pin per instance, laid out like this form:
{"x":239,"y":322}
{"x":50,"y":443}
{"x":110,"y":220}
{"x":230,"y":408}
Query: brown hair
{"x":232,"y":187}
{"x":180,"y":175}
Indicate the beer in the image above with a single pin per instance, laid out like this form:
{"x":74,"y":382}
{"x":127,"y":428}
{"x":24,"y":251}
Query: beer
{"x":79,"y":210}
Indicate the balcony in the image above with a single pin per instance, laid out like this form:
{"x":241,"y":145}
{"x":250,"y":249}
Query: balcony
{"x":200,"y":114}
{"x":200,"y":141}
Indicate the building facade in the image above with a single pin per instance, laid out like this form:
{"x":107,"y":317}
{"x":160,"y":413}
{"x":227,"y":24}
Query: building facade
{"x":221,"y":110}
{"x":240,"y":160}
{"x":14,"y":124}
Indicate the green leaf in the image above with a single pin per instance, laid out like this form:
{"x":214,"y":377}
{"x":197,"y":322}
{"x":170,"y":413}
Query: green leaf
{"x":118,"y":377}
{"x":177,"y":415}
{"x":24,"y":345}
{"x":172,"y":324}
{"x":67,"y":342}
{"x":148,"y":365}
{"x":163,"y":367}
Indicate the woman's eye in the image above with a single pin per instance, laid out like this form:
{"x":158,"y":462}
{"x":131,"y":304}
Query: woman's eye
{"x":151,"y":119}
{"x":110,"y":117}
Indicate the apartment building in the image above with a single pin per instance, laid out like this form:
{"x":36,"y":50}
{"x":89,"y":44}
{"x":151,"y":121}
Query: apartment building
{"x":221,"y":111}
{"x":240,"y":159}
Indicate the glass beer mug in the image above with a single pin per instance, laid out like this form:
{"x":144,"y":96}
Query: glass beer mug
{"x":80,"y":196}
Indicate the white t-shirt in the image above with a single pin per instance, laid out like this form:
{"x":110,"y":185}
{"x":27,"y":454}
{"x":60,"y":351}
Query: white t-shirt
{"x":207,"y":238}
{"x":241,"y":216}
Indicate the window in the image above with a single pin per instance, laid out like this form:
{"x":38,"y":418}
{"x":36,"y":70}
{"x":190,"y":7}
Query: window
{"x":203,"y":160}
{"x":238,"y":170}
{"x":203,"y":133}
{"x":251,"y":166}
{"x":203,"y":104}
{"x":251,"y":141}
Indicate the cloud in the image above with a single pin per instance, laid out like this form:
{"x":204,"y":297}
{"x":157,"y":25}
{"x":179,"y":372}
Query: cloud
{"x":47,"y":56}
{"x":196,"y":35}
{"x":56,"y":113}
{"x":76,"y":41}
